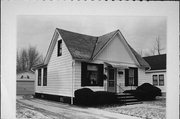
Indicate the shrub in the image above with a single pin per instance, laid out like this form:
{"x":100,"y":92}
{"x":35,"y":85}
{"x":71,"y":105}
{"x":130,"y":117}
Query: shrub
{"x":84,"y":96}
{"x":147,"y":92}
{"x":104,"y":97}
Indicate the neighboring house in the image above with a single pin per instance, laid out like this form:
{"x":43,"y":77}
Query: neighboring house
{"x":26,"y":75}
{"x":157,"y":73}
{"x":25,"y":83}
{"x":74,"y":61}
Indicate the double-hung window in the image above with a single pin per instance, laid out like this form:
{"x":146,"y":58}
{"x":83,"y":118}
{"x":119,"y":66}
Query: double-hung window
{"x":91,"y":74}
{"x":131,"y":77}
{"x":155,"y":80}
{"x":161,"y":80}
{"x":158,"y":80}
{"x":45,"y":76}
{"x":39,"y":77}
{"x":59,"y":48}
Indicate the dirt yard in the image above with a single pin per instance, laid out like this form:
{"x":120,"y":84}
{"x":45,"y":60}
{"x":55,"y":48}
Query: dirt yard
{"x":147,"y":109}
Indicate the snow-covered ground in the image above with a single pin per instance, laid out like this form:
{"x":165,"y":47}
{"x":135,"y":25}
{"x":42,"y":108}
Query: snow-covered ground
{"x":26,"y":112}
{"x":147,"y":110}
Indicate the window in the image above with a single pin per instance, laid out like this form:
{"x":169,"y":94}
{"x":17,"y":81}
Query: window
{"x":161,"y":80}
{"x":39,"y":77}
{"x":59,"y":50}
{"x":45,"y":77}
{"x":91,"y":74}
{"x":158,"y":80}
{"x":155,"y":80}
{"x":131,"y":77}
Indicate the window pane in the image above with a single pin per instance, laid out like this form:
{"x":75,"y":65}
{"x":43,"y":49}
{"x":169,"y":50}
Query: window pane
{"x":131,"y":72}
{"x":39,"y":77}
{"x":131,"y":81}
{"x":161,"y":80}
{"x":92,"y":68}
{"x":92,"y":75}
{"x":155,"y":80}
{"x":45,"y":77}
{"x":131,"y":77}
{"x":59,"y":48}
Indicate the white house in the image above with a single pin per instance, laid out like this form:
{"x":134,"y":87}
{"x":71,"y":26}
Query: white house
{"x":103,"y":63}
{"x":25,"y":83}
{"x":157,"y":73}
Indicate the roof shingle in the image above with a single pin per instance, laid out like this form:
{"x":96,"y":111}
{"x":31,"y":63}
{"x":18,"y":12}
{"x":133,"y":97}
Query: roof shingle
{"x":156,"y":62}
{"x":86,"y":47}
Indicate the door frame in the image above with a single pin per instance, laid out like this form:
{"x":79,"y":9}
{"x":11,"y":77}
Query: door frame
{"x":114,"y":88}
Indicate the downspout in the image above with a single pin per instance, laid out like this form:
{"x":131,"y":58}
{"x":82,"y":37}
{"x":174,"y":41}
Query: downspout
{"x":72,"y":82}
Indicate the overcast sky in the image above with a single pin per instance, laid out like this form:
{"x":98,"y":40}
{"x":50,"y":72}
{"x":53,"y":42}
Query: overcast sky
{"x":140,"y":32}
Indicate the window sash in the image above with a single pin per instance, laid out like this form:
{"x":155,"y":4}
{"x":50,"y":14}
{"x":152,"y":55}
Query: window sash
{"x":131,"y":77}
{"x":45,"y":77}
{"x":59,"y":48}
{"x":155,"y":80}
{"x":91,"y":74}
{"x":39,"y":77}
{"x":161,"y":80}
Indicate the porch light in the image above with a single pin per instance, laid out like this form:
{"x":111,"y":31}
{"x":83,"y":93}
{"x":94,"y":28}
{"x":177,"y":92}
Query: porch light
{"x":120,"y":72}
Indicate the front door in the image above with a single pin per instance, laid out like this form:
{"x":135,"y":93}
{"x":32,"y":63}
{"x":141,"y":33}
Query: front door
{"x":111,"y":83}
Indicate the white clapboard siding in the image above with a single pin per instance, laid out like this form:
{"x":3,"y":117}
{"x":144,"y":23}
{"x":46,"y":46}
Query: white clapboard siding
{"x":142,"y":78}
{"x":150,"y":77}
{"x":116,"y":51}
{"x":59,"y":74}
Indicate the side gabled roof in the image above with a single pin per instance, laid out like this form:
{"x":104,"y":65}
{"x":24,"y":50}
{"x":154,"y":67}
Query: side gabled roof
{"x":156,"y":62}
{"x":86,"y":47}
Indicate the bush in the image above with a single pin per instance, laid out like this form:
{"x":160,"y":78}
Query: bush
{"x":147,"y":92}
{"x":84,"y":96}
{"x":104,"y":97}
{"x":87,"y":97}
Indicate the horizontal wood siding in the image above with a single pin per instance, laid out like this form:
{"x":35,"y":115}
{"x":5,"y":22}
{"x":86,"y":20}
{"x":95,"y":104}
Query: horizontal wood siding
{"x":150,"y":77}
{"x":77,"y":81}
{"x":142,"y":78}
{"x":116,"y":51}
{"x":59,"y":74}
{"x":24,"y":87}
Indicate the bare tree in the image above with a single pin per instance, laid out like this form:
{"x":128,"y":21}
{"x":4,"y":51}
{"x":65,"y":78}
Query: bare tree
{"x":140,"y":52}
{"x":153,"y":51}
{"x":157,"y":47}
{"x":27,"y":58}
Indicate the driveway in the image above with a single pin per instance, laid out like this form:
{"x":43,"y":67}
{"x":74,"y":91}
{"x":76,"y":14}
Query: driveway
{"x":57,"y":110}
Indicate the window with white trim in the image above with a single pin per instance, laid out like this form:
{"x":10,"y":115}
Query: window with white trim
{"x":59,"y":48}
{"x":158,"y":80}
{"x":39,"y":77}
{"x":161,"y":80}
{"x":155,"y":80}
{"x":131,"y":77}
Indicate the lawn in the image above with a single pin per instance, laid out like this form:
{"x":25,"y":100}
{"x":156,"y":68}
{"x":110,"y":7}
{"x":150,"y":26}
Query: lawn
{"x":147,"y":109}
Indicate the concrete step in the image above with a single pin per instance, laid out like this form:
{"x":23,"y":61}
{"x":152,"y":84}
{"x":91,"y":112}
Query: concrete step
{"x":127,"y":99}
{"x":133,"y":103}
